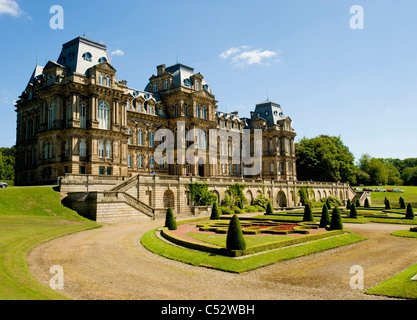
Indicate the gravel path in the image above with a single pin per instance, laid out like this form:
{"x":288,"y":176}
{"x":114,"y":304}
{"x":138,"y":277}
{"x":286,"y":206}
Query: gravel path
{"x":111,"y":263}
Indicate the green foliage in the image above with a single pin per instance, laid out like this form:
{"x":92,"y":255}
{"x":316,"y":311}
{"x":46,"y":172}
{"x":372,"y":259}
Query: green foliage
{"x":402,"y":203}
{"x":348,"y":204}
{"x":227,"y":202}
{"x":325,"y":217}
{"x":201,"y":195}
{"x":269,"y":209}
{"x":325,"y":158}
{"x":334,"y":201}
{"x":353,"y":211}
{"x":215,"y":212}
{"x":235,"y":239}
{"x":366,"y":204}
{"x":304,"y":193}
{"x":336,"y":221}
{"x":238,"y":197}
{"x":387,"y":204}
{"x":170,"y":222}
{"x":261,"y":201}
{"x":226,"y":210}
{"x":308,"y":213}
{"x":380,"y":171}
{"x":328,"y":205}
{"x":7,"y":162}
{"x":409,"y":214}
{"x":358,"y":203}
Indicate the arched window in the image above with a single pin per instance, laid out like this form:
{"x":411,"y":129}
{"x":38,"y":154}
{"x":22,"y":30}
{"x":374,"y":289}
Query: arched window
{"x":108,"y":149}
{"x":101,"y":148}
{"x":51,"y":115}
{"x":103,"y":115}
{"x":203,"y":112}
{"x":83,"y":115}
{"x":102,"y":59}
{"x":129,"y":132}
{"x":151,"y":162}
{"x":151,"y":139}
{"x":140,"y":137}
{"x":83,"y":148}
{"x":140,"y":161}
{"x":129,"y":160}
{"x":87,"y":56}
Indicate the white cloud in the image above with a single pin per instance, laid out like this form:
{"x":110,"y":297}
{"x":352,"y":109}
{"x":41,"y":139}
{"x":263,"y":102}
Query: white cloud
{"x":10,"y":7}
{"x":118,"y":52}
{"x":241,"y":56}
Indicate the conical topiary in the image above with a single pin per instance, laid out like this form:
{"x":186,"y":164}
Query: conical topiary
{"x":387,"y":204}
{"x":353,"y":211}
{"x":329,"y":206}
{"x":367,"y":205}
{"x":402,"y":203}
{"x":325,"y":217}
{"x":358,"y":203}
{"x":215,"y":213}
{"x":235,"y":239}
{"x":269,"y":209}
{"x":409,"y":214}
{"x":170,"y":222}
{"x":348,"y":204}
{"x":336,"y":221}
{"x":308,"y":213}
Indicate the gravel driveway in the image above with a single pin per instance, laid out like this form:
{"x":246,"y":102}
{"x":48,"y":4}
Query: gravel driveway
{"x":111,"y":263}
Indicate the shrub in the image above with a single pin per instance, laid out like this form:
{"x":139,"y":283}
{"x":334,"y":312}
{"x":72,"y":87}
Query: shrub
{"x":409,"y":214}
{"x":348,"y":204}
{"x":325,"y":217}
{"x":236,"y":209}
{"x":402,"y":203}
{"x":328,"y":205}
{"x":226,"y":202}
{"x":269,"y":209}
{"x":252,"y":209}
{"x":235,"y":239}
{"x":308,"y":213}
{"x":353,"y":211}
{"x":358,"y":203}
{"x":226,"y":210}
{"x":367,"y":205}
{"x":387,"y":204}
{"x":336,"y":221}
{"x":170,"y":222}
{"x":215,"y":212}
{"x":262,"y":201}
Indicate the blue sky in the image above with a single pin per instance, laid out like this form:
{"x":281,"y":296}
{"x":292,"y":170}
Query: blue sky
{"x":330,"y":79}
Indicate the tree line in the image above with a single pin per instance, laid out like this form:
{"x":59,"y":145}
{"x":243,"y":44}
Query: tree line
{"x":7,"y":161}
{"x":326,"y":158}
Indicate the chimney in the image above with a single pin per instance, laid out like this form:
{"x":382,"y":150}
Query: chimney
{"x":251,"y":114}
{"x":161,"y":70}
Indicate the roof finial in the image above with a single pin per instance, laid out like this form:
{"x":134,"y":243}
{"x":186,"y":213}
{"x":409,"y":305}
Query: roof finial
{"x":267,"y":95}
{"x":177,"y":56}
{"x":84,"y":31}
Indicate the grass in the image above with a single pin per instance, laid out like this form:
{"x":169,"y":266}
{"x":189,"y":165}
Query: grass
{"x":29,"y":217}
{"x":223,"y":263}
{"x":409,"y":195}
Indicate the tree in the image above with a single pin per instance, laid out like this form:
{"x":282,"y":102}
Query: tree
{"x":367,"y":205}
{"x":348,"y":204}
{"x":269,"y":209}
{"x":215,"y":213}
{"x":238,"y":197}
{"x":353,"y":211}
{"x":380,"y":171}
{"x":308,"y":213}
{"x":201,"y":195}
{"x":325,"y":158}
{"x":325,"y":217}
{"x":358,"y":203}
{"x":235,"y":239}
{"x":409,"y":214}
{"x":387,"y":205}
{"x":336,"y":221}
{"x":329,"y":206}
{"x":170,"y":222}
{"x":402,"y":203}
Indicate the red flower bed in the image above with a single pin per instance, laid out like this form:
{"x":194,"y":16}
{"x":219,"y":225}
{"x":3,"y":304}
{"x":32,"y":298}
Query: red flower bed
{"x":277,"y":227}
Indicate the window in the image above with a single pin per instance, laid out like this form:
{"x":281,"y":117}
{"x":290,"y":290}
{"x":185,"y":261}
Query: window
{"x":51,"y":115}
{"x":103,"y":115}
{"x":108,"y":81}
{"x":203,"y":112}
{"x":151,"y":139}
{"x":140,"y":161}
{"x":83,"y":115}
{"x":109,"y":171}
{"x":198,"y":111}
{"x":151,"y":162}
{"x":67,"y":148}
{"x":83,"y":148}
{"x":175,"y":111}
{"x":108,"y":149}
{"x":101,"y":148}
{"x":50,"y":150}
{"x":140,"y":137}
{"x":82,"y":169}
{"x":129,"y":160}
{"x":87,"y":56}
{"x":166,"y":85}
{"x":129,"y":132}
{"x":46,"y":151}
{"x":102,"y":59}
{"x":150,"y":110}
{"x":128,"y":105}
{"x":197,"y":85}
{"x":101,"y":170}
{"x":186,"y":110}
{"x":68,"y":115}
{"x":161,"y":112}
{"x":101,"y":80}
{"x":201,"y":139}
{"x":139,"y":105}
{"x":271,"y":167}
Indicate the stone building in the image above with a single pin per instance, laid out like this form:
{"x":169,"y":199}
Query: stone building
{"x":75,"y":117}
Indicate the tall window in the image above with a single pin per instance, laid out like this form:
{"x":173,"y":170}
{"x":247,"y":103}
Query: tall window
{"x":129,"y":160}
{"x":67,"y":148}
{"x":151,"y":162}
{"x":201,"y":139}
{"x":166,"y":85}
{"x":129,"y":132}
{"x":151,"y":139}
{"x":101,"y":80}
{"x":203,"y":112}
{"x":50,"y":150}
{"x":83,"y":115}
{"x":108,"y":81}
{"x":108,"y":149}
{"x":150,"y":110}
{"x":103,"y":115}
{"x":101,"y":148}
{"x":140,"y":161}
{"x":46,"y":151}
{"x":83,"y":148}
{"x":197,"y":85}
{"x":140,"y":137}
{"x":186,"y":110}
{"x":51,"y":115}
{"x":198,"y":111}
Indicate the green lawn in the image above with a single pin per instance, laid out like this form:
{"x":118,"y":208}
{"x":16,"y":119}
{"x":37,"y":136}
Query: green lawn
{"x":204,"y":259}
{"x":409,"y":195}
{"x":29,"y":217}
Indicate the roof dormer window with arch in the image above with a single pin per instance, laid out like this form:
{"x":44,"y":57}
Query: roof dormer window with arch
{"x":102,"y":59}
{"x":87,"y":56}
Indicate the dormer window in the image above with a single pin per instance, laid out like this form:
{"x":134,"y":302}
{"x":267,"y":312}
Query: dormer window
{"x":166,"y":83}
{"x":197,"y":85}
{"x":88,"y":56}
{"x":102,"y":59}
